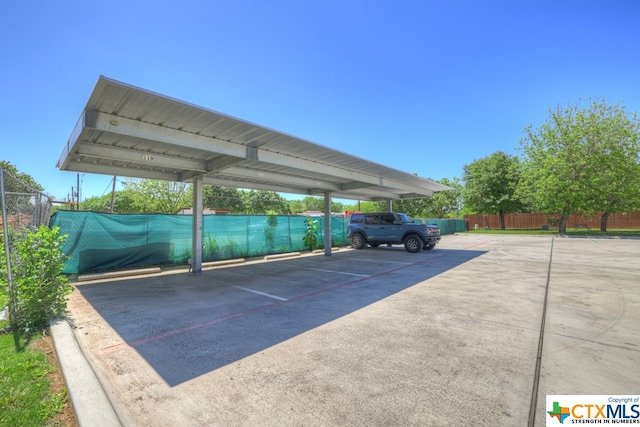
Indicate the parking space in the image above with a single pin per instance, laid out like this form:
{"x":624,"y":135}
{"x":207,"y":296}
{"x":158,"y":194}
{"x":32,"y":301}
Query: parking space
{"x":370,"y":337}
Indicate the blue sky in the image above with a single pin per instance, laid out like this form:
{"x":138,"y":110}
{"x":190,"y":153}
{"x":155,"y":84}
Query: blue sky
{"x":421,"y":86}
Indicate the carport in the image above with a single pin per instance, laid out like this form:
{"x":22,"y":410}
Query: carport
{"x":128,"y":131}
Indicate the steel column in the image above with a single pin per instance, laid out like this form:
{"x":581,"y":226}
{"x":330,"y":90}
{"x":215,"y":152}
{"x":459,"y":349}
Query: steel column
{"x":327,"y":223}
{"x":196,"y":229}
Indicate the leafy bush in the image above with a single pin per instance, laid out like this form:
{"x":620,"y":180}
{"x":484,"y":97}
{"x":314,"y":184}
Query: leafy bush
{"x":40,"y":289}
{"x":270,"y":231}
{"x":212,"y":251}
{"x":310,"y":238}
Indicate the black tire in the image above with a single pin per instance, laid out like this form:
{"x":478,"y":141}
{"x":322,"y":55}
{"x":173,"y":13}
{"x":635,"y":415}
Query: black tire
{"x":413,"y":244}
{"x":358,"y":241}
{"x":429,"y":246}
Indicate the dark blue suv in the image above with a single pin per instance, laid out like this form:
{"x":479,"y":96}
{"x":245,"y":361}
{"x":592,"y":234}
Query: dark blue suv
{"x":392,"y":228}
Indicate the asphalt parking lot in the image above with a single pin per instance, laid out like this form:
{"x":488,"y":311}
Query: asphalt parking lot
{"x":370,"y":337}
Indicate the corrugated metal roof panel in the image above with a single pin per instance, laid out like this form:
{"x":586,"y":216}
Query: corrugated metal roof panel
{"x":128,"y":126}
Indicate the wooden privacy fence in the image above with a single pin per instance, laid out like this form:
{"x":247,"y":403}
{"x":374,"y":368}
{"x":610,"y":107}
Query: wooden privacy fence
{"x":537,"y":220}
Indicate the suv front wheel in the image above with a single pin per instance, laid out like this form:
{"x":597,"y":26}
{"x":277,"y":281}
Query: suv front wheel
{"x":358,"y":241}
{"x":413,"y":244}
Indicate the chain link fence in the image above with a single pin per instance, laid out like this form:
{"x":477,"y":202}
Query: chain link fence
{"x":24,"y":207}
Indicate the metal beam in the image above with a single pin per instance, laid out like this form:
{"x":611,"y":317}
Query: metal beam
{"x":134,"y":128}
{"x":71,"y":142}
{"x":354,"y":186}
{"x":222,"y":163}
{"x":279,"y":178}
{"x":137,"y":129}
{"x":311,"y":166}
{"x":140,"y":157}
{"x":108,"y":169}
{"x":254,"y":185}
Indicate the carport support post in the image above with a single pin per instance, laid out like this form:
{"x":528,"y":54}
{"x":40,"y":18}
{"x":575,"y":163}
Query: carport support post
{"x":327,"y":223}
{"x":196,"y":228}
{"x":389,"y":209}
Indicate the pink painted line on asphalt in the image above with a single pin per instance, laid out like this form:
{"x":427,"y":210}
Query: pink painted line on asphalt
{"x":211,"y":322}
{"x":476,"y":245}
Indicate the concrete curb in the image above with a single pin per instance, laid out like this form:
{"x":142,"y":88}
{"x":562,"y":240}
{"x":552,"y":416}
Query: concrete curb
{"x":224,"y":262}
{"x":321,"y":251}
{"x":114,"y":274}
{"x":281,"y":256}
{"x":90,"y":402}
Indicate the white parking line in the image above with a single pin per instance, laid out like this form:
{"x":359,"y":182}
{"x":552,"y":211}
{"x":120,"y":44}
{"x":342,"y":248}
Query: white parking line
{"x":337,"y":272}
{"x":262,"y":293}
{"x":377,"y":260}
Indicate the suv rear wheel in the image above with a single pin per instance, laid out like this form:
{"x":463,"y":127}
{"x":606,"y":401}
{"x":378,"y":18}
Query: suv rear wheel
{"x":413,"y":244}
{"x":358,"y":241}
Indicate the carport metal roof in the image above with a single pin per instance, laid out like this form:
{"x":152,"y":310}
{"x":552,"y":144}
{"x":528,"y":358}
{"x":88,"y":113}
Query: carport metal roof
{"x":128,"y":131}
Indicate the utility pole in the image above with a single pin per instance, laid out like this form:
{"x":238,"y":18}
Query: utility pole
{"x":78,"y":194}
{"x":113,"y":192}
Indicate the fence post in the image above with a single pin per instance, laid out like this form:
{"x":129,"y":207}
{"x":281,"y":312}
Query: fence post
{"x":7,"y":251}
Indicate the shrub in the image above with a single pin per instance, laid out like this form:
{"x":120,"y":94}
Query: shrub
{"x":270,"y":231}
{"x":40,"y":289}
{"x":310,"y":238}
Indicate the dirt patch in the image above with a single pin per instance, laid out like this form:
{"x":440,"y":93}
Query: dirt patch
{"x":67,"y":417}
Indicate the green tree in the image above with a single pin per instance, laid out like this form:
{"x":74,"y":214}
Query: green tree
{"x":23,"y":185}
{"x":296,"y":206}
{"x":264,"y":202}
{"x":577,"y":161}
{"x":222,"y":198}
{"x":311,"y":203}
{"x":11,"y":185}
{"x":445,"y":204}
{"x":616,"y":181}
{"x":154,"y":196}
{"x":370,"y":206}
{"x":417,"y":207}
{"x":490,"y":185}
{"x":124,"y":201}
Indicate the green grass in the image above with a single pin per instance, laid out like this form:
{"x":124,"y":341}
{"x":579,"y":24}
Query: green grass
{"x":554,"y":232}
{"x":25,"y":391}
{"x":4,"y":300}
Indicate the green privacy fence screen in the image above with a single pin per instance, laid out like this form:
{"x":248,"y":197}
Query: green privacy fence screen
{"x":99,"y":242}
{"x":447,"y":226}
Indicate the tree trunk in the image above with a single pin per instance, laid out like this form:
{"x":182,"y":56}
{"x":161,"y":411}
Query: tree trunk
{"x":603,"y":221}
{"x":502,"y":226}
{"x":562,"y":228}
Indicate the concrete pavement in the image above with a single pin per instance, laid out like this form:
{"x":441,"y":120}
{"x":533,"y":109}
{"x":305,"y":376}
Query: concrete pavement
{"x":370,"y":337}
